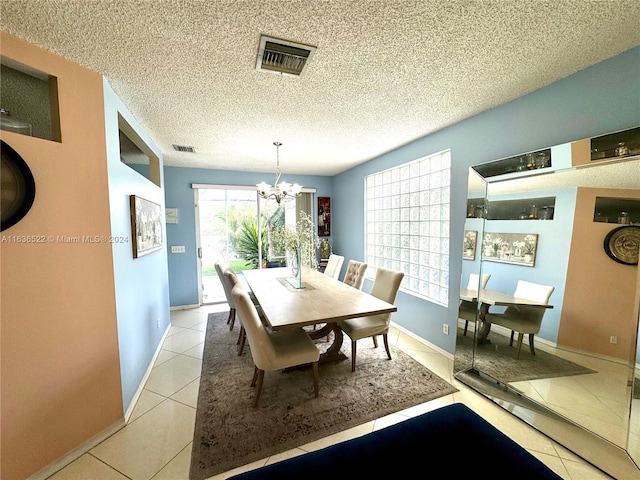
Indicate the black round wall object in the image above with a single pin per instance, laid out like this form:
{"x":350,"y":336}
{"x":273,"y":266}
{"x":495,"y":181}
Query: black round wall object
{"x":17,"y":187}
{"x":622,"y":244}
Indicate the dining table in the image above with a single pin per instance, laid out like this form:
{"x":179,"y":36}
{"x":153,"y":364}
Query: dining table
{"x":322,"y":300}
{"x":488,"y":298}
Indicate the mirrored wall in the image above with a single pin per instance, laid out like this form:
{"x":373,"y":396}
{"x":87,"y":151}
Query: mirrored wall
{"x":566,"y":217}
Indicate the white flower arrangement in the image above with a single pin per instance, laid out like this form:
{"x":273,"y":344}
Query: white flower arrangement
{"x":303,"y":238}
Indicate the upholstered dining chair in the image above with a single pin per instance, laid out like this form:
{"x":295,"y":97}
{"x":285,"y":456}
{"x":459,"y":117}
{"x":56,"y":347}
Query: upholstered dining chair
{"x":232,"y":280}
{"x":354,"y":275}
{"x":220,"y":269}
{"x":334,"y":265}
{"x":273,"y":350}
{"x":522,"y":318}
{"x":468,"y":310}
{"x":385,"y":287}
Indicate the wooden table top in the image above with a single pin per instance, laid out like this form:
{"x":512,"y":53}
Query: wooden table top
{"x":323,"y":300}
{"x":491,"y":297}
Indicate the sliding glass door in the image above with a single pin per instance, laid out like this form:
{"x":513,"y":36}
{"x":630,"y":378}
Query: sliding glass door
{"x":228,"y":230}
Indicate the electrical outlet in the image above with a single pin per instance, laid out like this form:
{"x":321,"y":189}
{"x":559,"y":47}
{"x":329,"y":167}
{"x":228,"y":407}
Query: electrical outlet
{"x":613,"y":339}
{"x":158,"y":322}
{"x":445,"y":329}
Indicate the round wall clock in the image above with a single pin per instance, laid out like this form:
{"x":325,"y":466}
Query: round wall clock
{"x":17,"y":187}
{"x":623,"y":243}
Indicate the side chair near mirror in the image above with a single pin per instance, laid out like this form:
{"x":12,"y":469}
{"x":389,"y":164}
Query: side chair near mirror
{"x":468,"y":309}
{"x":273,"y":350}
{"x":521,"y":318}
{"x":220,"y":269}
{"x":354,"y":275}
{"x":334,"y":265}
{"x":385,"y":287}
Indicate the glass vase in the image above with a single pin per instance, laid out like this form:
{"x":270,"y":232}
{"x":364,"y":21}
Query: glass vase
{"x":295,"y":263}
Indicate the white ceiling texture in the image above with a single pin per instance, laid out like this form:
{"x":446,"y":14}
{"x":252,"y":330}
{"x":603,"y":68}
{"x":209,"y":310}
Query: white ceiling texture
{"x":384,"y":73}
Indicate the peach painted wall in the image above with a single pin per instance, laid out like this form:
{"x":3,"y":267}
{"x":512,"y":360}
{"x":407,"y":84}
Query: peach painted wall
{"x":59,"y":346}
{"x":610,"y":287}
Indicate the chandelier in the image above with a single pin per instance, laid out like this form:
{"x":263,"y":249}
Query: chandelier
{"x":281,"y":190}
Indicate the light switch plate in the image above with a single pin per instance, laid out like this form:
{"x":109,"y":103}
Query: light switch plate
{"x":177,"y":248}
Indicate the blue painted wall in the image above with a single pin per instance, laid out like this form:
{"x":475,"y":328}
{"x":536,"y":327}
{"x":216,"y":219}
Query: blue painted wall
{"x":183,"y":267}
{"x":141,"y":284}
{"x":597,"y":100}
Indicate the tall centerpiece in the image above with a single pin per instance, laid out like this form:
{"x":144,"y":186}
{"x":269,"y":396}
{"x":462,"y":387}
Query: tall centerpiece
{"x":300,"y":244}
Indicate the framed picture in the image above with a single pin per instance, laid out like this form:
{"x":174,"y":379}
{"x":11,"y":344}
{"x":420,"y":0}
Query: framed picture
{"x":470,"y":240}
{"x":514,"y":248}
{"x":324,"y":216}
{"x":146,"y":226}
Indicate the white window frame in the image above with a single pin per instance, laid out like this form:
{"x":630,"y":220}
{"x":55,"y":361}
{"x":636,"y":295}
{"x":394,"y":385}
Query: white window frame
{"x":407,"y":224}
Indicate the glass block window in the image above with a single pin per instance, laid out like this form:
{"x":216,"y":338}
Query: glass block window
{"x":407,"y":224}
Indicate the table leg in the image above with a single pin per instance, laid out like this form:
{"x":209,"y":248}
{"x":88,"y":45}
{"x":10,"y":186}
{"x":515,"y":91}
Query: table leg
{"x":485,"y":327}
{"x":333,"y":353}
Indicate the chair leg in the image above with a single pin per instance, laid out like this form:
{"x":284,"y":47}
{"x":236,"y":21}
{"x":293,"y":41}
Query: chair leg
{"x":520,"y":335}
{"x":259,"y":387}
{"x":255,"y":376}
{"x":229,"y":317}
{"x":466,"y":325}
{"x":241,"y":339}
{"x":315,"y":378}
{"x":511,"y":341}
{"x":386,"y":345}
{"x":353,"y":355}
{"x":533,"y":351}
{"x":232,"y":314}
{"x":375,"y":341}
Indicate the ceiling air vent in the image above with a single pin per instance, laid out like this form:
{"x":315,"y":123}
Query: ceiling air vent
{"x":183,"y":148}
{"x":282,"y":57}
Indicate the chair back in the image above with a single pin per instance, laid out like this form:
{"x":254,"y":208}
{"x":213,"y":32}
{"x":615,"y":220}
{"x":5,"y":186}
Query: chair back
{"x":385,"y":287}
{"x":474,"y":281}
{"x":221,"y":267}
{"x":354,"y":275}
{"x":531,"y":317}
{"x":262,"y":349}
{"x":334,"y":265}
{"x":533,"y":291}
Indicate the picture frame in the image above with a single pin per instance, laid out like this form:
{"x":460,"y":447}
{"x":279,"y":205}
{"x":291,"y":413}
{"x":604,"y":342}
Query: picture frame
{"x":146,"y":226}
{"x":470,"y":243}
{"x":324,"y":216}
{"x":512,"y":248}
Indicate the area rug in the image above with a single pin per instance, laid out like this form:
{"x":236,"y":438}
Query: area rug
{"x":230,"y":432}
{"x":498,"y":359}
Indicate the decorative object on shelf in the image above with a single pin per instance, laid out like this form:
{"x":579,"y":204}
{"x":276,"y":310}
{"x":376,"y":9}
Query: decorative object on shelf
{"x":324,"y":217}
{"x":325,"y":249}
{"x":622,"y":244}
{"x":513,"y":248}
{"x":470,"y":240}
{"x":300,"y":244}
{"x":278,"y":191}
{"x":146,"y":226}
{"x":624,"y":219}
{"x":18,"y":187}
{"x":12,"y":124}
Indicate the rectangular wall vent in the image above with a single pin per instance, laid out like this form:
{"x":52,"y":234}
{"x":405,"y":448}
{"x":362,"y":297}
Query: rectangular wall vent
{"x":282,"y":57}
{"x":183,"y":148}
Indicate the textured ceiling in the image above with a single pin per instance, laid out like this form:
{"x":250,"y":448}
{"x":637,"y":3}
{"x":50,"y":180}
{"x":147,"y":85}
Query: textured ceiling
{"x":384,"y":73}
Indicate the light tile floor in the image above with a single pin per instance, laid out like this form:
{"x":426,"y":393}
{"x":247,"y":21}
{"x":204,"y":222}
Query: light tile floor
{"x":156,"y":442}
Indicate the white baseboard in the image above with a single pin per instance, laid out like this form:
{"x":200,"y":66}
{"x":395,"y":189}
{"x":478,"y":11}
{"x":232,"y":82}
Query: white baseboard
{"x":145,"y":377}
{"x":77,"y":452}
{"x":184,"y":307}
{"x":422,"y":340}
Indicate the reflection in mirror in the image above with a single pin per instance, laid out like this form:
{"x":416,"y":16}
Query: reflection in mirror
{"x":585,"y":349}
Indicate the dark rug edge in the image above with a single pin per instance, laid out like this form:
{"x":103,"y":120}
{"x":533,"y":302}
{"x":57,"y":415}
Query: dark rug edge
{"x":312,"y":437}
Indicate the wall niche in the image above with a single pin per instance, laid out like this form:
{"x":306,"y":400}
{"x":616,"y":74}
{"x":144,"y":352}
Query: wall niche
{"x":29,"y":102}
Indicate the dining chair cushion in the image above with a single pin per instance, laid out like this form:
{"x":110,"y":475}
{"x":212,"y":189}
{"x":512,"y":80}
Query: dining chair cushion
{"x":385,"y":287}
{"x":354,"y":275}
{"x":334,"y":265}
{"x":274,"y":350}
